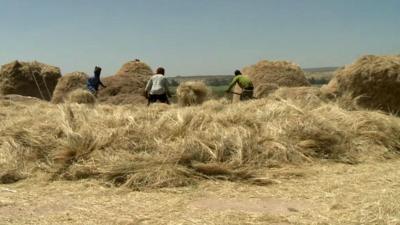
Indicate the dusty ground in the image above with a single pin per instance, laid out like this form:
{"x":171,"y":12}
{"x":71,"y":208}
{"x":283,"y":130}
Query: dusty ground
{"x":321,"y":194}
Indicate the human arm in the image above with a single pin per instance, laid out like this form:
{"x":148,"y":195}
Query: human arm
{"x":232,"y":84}
{"x":104,"y":86}
{"x":166,"y":87}
{"x":148,"y":87}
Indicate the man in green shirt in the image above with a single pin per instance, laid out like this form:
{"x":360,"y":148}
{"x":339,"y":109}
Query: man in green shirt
{"x":245,"y":83}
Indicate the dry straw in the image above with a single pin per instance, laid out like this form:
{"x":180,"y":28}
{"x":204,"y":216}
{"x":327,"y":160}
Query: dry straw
{"x":81,"y":97}
{"x":33,"y":79}
{"x":373,"y":80}
{"x":160,"y":146}
{"x":266,"y":75}
{"x":281,"y":73}
{"x":127,"y":86}
{"x":67,"y":84}
{"x":191,"y":93}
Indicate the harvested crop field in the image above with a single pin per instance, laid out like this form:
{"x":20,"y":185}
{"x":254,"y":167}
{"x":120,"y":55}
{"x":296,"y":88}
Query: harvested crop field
{"x":320,"y":194}
{"x":267,"y":161}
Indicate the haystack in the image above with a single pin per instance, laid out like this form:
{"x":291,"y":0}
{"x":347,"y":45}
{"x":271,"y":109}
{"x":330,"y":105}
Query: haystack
{"x":306,"y":97}
{"x":29,"y":79}
{"x":281,"y":73}
{"x":264,"y":90}
{"x":67,"y":84}
{"x":127,"y":85}
{"x":81,"y":96}
{"x":373,"y":80}
{"x":192,"y":93}
{"x":135,"y":68}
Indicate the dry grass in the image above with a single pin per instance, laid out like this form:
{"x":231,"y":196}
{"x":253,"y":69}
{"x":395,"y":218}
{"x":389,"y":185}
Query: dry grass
{"x":373,"y":80}
{"x":67,"y":84}
{"x":281,"y":73}
{"x":33,"y":79}
{"x":81,"y":97}
{"x":334,"y":194}
{"x":127,"y":85}
{"x":265,"y":90}
{"x":166,"y":146}
{"x":191,"y":93}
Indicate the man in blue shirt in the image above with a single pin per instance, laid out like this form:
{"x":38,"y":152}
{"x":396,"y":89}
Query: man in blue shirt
{"x":94,"y":82}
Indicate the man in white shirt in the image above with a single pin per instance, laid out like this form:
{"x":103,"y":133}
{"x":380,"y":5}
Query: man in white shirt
{"x":157,"y":88}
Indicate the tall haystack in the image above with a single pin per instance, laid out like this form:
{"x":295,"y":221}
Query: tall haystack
{"x":67,"y":84}
{"x":33,"y":79}
{"x":373,"y":80}
{"x":127,"y":85}
{"x":192,"y":93}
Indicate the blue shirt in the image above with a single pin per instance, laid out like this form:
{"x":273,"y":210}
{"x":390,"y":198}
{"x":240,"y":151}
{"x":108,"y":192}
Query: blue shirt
{"x":94,"y":83}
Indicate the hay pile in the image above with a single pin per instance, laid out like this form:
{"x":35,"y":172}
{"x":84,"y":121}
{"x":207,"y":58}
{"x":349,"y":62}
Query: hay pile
{"x":81,"y":96}
{"x":305,"y":97}
{"x":373,"y":80}
{"x":127,"y":86}
{"x":266,"y":75}
{"x":191,"y":93}
{"x":135,"y":68}
{"x":281,"y":73}
{"x":154,"y":147}
{"x":67,"y":84}
{"x":264,"y":90}
{"x":29,"y":79}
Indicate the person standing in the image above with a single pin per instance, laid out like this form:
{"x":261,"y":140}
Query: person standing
{"x":244,"y":83}
{"x":157,"y":88}
{"x":94,"y":82}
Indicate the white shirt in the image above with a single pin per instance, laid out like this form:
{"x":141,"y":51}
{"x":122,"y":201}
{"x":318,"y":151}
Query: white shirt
{"x":157,"y":85}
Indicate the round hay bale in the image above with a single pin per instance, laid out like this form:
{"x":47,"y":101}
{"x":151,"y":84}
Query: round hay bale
{"x":373,"y":80}
{"x":33,"y":79}
{"x":127,"y":86}
{"x":67,"y":84}
{"x":81,"y":96}
{"x":264,"y":90}
{"x":192,"y":93}
{"x":281,"y":73}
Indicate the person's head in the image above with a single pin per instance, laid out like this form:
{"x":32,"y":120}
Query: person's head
{"x":160,"y":70}
{"x":97,"y":71}
{"x":237,"y":73}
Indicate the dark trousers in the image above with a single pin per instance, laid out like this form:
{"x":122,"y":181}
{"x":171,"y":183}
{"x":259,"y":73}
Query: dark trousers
{"x":154,"y":98}
{"x":247,"y":94}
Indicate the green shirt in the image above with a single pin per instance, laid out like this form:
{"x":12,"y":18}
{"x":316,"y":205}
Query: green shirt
{"x":242,"y":80}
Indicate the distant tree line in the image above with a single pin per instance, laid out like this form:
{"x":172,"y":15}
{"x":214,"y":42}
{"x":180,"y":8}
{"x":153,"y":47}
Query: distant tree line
{"x":318,"y":81}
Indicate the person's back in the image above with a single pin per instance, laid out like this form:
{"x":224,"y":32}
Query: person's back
{"x":158,"y":84}
{"x":94,"y":82}
{"x":244,"y":83}
{"x":157,"y":88}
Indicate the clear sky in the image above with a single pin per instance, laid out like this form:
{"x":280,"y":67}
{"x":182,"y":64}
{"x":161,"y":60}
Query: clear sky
{"x":191,"y":37}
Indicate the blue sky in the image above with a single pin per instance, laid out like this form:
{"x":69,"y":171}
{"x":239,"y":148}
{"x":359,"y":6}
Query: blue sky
{"x":191,"y":37}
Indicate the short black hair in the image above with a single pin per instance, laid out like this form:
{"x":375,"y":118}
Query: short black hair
{"x":237,"y":72}
{"x":160,"y":70}
{"x":97,"y":70}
